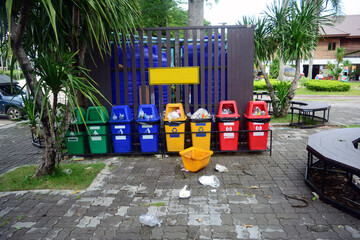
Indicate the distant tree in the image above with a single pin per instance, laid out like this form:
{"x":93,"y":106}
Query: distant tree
{"x":162,"y":13}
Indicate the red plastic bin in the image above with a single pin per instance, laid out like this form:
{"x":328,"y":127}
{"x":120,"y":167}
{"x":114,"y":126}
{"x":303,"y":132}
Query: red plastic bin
{"x":257,"y":140}
{"x":230,"y":123}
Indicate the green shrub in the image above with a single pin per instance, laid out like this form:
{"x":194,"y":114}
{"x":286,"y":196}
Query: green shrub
{"x":327,"y":86}
{"x":15,"y":73}
{"x":260,"y":85}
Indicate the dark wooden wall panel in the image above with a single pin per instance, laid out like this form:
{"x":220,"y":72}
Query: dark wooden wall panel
{"x":240,"y":68}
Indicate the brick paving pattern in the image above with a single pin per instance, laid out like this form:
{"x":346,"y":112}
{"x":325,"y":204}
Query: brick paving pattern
{"x":131,"y":186}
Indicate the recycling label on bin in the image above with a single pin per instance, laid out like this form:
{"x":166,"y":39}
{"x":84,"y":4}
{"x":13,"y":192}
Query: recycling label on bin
{"x":258,"y":127}
{"x":229,"y":124}
{"x":201,"y":134}
{"x":229,"y":135}
{"x":120,"y":127}
{"x":148,"y":137}
{"x":95,"y":138}
{"x":95,"y":128}
{"x":120,"y":137}
{"x":146,"y":126}
{"x":73,"y":139}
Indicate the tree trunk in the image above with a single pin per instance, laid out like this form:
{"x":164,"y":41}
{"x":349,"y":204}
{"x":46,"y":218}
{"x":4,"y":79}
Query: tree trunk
{"x":292,"y":90}
{"x":268,"y":84}
{"x":281,"y":69}
{"x":196,"y":14}
{"x":47,"y":163}
{"x":311,"y":63}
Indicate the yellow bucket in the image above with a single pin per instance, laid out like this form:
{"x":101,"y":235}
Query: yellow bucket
{"x":195,"y":159}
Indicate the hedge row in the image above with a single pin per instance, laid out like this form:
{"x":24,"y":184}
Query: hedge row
{"x":327,"y":86}
{"x":261,"y":85}
{"x":15,"y":73}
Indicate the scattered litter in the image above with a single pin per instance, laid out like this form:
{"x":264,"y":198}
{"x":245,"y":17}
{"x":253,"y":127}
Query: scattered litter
{"x":315,"y":196}
{"x":268,"y":197}
{"x":213,"y":190}
{"x":199,"y":219}
{"x":304,"y":200}
{"x":150,"y":220}
{"x":248,"y":226}
{"x":74,"y":158}
{"x":211,"y":181}
{"x":248,"y":173}
{"x":184,"y":193}
{"x":249,"y":195}
{"x":339,"y":226}
{"x":161,"y":155}
{"x":221,"y":168}
{"x":68,"y":171}
{"x":88,"y":168}
{"x":74,"y":192}
{"x":254,"y":187}
{"x":184,"y":170}
{"x":201,"y":113}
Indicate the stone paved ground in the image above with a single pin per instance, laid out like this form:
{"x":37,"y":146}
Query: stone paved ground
{"x":131,"y":186}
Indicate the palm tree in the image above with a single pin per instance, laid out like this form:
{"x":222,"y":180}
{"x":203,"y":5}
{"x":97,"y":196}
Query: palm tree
{"x":49,"y":39}
{"x":290,"y":30}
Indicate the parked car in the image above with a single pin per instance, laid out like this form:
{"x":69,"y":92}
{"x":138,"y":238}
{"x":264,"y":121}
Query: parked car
{"x":11,"y":102}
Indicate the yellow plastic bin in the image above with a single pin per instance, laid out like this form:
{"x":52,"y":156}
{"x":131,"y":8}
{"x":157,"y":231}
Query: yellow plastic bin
{"x":175,"y":127}
{"x":199,"y":137}
{"x":195,"y":159}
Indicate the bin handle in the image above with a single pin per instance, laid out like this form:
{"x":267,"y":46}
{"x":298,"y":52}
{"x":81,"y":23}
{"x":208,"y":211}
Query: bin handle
{"x":259,"y":120}
{"x":228,"y":119}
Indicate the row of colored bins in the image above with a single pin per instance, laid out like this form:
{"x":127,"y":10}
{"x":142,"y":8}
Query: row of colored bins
{"x":174,"y":121}
{"x":228,"y":119}
{"x":96,"y":119}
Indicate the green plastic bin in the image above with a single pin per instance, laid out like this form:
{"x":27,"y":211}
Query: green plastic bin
{"x":76,"y":142}
{"x":97,"y":119}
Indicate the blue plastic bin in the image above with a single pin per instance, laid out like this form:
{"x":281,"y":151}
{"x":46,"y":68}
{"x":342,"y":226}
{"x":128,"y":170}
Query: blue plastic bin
{"x":120,"y":124}
{"x":148,"y":123}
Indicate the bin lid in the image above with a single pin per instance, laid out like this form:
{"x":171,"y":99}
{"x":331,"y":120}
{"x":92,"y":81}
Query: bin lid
{"x":121,"y":114}
{"x":97,"y":115}
{"x":146,"y":111}
{"x":78,"y":113}
{"x":231,"y":104}
{"x":251,"y":108}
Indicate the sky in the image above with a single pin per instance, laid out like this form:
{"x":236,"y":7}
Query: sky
{"x":229,"y":11}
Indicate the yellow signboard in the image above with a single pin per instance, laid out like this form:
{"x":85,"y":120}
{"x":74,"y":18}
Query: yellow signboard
{"x":173,"y":75}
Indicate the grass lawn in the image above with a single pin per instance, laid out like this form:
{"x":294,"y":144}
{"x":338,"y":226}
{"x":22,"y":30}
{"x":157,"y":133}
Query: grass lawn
{"x":287,"y":119}
{"x":305,"y":91}
{"x":80,"y":177}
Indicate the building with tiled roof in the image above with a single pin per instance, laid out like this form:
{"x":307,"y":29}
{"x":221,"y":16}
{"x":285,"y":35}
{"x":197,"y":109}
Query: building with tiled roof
{"x":345,"y":33}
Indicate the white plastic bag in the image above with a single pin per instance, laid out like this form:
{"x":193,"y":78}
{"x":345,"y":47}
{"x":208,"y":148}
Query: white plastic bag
{"x":184,"y":193}
{"x":150,"y":220}
{"x":221,"y":168}
{"x":211,"y":181}
{"x":173,"y":115}
{"x":200,"y":114}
